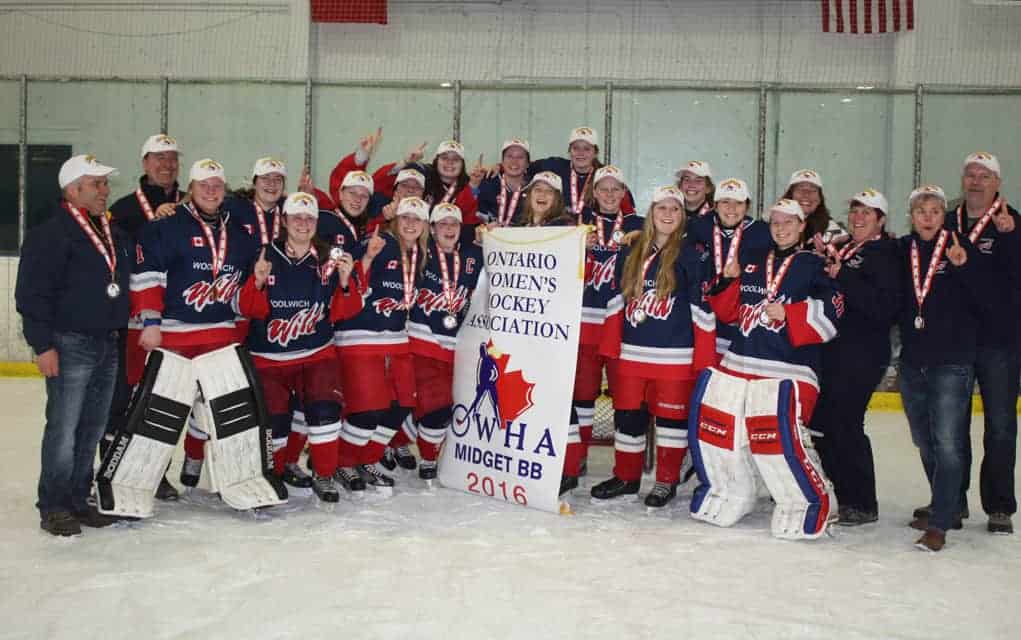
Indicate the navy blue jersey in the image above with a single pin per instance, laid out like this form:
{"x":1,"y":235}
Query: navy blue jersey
{"x":491,"y":204}
{"x":428,"y":335}
{"x":601,"y":265}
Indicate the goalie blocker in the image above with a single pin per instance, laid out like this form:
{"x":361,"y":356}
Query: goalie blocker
{"x":742,"y":432}
{"x":230,"y":408}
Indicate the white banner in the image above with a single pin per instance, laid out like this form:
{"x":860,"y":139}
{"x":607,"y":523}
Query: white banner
{"x":514,"y":369}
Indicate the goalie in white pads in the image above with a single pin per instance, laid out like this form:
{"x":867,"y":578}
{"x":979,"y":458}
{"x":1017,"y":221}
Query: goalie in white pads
{"x":229,"y":408}
{"x":748,"y":414}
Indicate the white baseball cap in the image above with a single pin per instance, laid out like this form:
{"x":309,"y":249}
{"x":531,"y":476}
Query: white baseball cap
{"x":416,"y":207}
{"x":83,"y":165}
{"x":549,"y":178}
{"x":987,"y":160}
{"x":732,"y":189}
{"x":927,"y":190}
{"x":444,"y":211}
{"x":699,"y":168}
{"x":787,"y":206}
{"x":450,"y":146}
{"x":871,"y":198}
{"x":585,"y":134}
{"x":805,"y":175}
{"x":159,"y":143}
{"x":410,"y":174}
{"x":300,"y":202}
{"x":268,"y":165}
{"x":206,"y":168}
{"x":667,"y":193}
{"x":515,"y":142}
{"x":609,"y":171}
{"x":358,"y":179}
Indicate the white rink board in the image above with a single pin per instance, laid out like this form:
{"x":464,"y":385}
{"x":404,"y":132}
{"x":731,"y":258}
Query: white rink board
{"x":447,"y":565}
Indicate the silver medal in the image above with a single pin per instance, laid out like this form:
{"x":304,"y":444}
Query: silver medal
{"x":919,"y":322}
{"x":764,"y":318}
{"x":113,"y":290}
{"x":449,"y":322}
{"x":336,"y":253}
{"x":618,"y":236}
{"x":639,"y":316}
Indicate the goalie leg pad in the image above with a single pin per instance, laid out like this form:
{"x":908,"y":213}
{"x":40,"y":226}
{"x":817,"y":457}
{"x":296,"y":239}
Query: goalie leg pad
{"x":136,"y":460}
{"x":783,"y":452}
{"x":240,"y":447}
{"x":720,"y":452}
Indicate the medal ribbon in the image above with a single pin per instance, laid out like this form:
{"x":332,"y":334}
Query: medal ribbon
{"x":505,"y":212}
{"x":735,"y":244}
{"x":450,"y":286}
{"x":618,"y":225}
{"x":773,"y":282}
{"x":144,"y":203}
{"x":260,"y":215}
{"x":449,"y":197}
{"x":108,"y":253}
{"x":981,"y":223}
{"x":922,"y":290}
{"x":409,"y":275}
{"x":350,"y":226}
{"x":219,"y":255}
{"x":576,"y":204}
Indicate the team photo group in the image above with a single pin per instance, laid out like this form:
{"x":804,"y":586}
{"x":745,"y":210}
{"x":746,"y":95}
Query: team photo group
{"x":744,"y":339}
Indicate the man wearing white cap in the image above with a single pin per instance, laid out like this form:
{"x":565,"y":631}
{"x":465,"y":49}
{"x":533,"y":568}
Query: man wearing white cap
{"x":155,"y":197}
{"x":72,"y":294}
{"x":990,"y":224}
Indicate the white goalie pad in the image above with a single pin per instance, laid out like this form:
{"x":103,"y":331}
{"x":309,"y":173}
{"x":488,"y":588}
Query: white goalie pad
{"x":718,"y":441}
{"x":239,"y":451}
{"x":783,"y":453}
{"x":135,"y":463}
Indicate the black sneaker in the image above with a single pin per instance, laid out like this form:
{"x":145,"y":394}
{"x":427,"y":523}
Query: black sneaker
{"x":662,"y":493}
{"x":60,"y":523}
{"x":1000,"y":523}
{"x":371,"y":474}
{"x":191,"y":469}
{"x":614,"y":488}
{"x":166,"y":491}
{"x":427,"y":470}
{"x":324,"y":488}
{"x":295,"y":476}
{"x":926,"y":511}
{"x":349,"y":479}
{"x":405,"y":459}
{"x":91,"y":517}
{"x":388,"y":461}
{"x":853,"y":517}
{"x":922,"y":524}
{"x":568,"y":483}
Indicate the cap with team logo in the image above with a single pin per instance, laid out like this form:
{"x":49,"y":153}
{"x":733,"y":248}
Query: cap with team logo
{"x":609,"y":171}
{"x":159,"y":143}
{"x":732,"y":189}
{"x":984,"y":159}
{"x":301,"y":203}
{"x":410,"y":174}
{"x":927,"y":190}
{"x":416,"y":207}
{"x":358,"y":179}
{"x":584,"y":134}
{"x":667,"y":193}
{"x":805,"y":175}
{"x":515,"y":142}
{"x":699,"y":168}
{"x":445,"y":211}
{"x":450,"y":146}
{"x":548,"y":177}
{"x":205,"y":169}
{"x":268,"y":165}
{"x":786,"y":206}
{"x":80,"y":166}
{"x":871,"y":198}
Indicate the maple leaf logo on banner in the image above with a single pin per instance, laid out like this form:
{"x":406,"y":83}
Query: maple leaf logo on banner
{"x":508,"y":391}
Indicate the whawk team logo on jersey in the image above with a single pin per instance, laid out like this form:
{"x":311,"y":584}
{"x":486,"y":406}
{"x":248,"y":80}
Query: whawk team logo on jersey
{"x":204,"y":293}
{"x":283,"y":331}
{"x":386,"y":306}
{"x":750,"y":316}
{"x":602,"y":272}
{"x":653,"y":306}
{"x":429,"y":301}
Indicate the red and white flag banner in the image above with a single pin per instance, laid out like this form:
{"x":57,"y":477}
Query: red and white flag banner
{"x":867,"y":16}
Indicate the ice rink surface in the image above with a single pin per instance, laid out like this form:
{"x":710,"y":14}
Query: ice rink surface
{"x":442,"y":564}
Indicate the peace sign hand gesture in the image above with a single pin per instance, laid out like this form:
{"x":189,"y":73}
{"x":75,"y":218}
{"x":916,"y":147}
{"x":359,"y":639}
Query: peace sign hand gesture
{"x":477,"y":173}
{"x":1002,"y":219}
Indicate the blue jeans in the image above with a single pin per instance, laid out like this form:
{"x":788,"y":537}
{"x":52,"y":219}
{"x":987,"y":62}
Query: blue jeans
{"x":77,"y":408}
{"x":997,"y":372}
{"x":937,"y":402}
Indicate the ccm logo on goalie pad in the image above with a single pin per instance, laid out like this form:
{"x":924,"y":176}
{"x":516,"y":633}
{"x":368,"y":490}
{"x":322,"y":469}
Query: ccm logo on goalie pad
{"x":763,"y":435}
{"x":716,"y":428}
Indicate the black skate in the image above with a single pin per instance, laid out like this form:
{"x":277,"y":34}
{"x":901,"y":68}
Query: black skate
{"x":388,"y":461}
{"x":371,"y":474}
{"x":661,"y":494}
{"x":405,"y":459}
{"x":191,"y":469}
{"x":349,"y":479}
{"x":427,"y":470}
{"x":614,"y":488}
{"x":295,"y":476}
{"x":166,"y":491}
{"x":568,"y":484}
{"x":324,"y":487}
